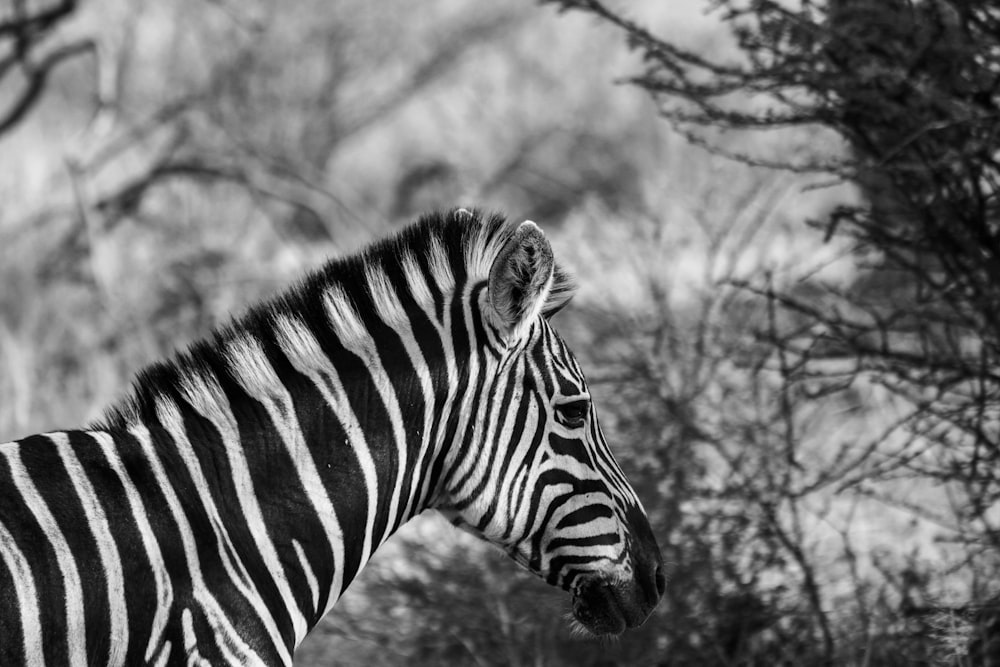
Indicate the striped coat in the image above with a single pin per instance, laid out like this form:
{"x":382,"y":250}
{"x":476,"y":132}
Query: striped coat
{"x":222,"y":507}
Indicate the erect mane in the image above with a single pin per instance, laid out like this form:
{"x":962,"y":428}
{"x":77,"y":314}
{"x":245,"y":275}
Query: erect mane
{"x":457,"y":247}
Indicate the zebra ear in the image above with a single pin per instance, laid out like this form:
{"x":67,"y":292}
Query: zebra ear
{"x":520,"y":279}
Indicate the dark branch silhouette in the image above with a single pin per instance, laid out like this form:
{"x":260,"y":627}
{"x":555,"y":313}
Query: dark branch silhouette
{"x":25,"y":64}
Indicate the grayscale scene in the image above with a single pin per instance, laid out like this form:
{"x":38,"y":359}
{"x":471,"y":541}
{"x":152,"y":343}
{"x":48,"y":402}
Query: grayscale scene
{"x":552,"y":333}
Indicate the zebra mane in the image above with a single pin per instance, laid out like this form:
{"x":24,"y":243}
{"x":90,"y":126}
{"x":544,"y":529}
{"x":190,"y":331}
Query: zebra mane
{"x":423,"y":262}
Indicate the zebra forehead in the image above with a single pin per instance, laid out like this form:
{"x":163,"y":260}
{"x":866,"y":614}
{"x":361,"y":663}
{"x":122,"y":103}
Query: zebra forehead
{"x":554,"y":356}
{"x":563,"y":355}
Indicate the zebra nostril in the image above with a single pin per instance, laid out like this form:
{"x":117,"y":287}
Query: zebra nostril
{"x":661,"y":580}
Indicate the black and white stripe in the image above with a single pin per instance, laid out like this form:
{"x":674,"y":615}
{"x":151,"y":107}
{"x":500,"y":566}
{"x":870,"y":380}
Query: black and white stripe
{"x":221,"y":509}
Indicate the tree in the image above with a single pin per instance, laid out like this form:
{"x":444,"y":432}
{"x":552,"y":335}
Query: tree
{"x":910,"y":91}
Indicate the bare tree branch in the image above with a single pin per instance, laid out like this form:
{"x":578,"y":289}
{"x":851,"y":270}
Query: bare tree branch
{"x":22,"y":34}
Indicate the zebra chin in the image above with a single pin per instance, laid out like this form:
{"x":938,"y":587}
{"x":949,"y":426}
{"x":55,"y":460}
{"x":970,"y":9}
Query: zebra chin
{"x":604,"y":607}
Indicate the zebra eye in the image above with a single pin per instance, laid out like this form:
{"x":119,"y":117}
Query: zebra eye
{"x":573,"y":414}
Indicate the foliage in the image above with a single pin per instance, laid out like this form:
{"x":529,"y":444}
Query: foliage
{"x":912,"y":91}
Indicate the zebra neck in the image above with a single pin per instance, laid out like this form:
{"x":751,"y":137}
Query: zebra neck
{"x":310,"y":444}
{"x":314,"y":451}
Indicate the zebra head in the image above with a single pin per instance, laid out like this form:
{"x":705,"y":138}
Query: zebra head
{"x":539,"y":480}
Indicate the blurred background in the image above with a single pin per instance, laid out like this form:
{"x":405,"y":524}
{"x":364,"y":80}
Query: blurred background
{"x":790,"y":334}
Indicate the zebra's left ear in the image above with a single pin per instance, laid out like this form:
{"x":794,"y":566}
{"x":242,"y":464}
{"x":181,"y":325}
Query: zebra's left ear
{"x":520,"y":279}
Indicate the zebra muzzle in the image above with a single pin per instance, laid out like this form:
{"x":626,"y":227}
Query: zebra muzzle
{"x":609,"y":608}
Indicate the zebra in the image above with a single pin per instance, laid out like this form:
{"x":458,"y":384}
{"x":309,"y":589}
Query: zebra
{"x":219,"y":509}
